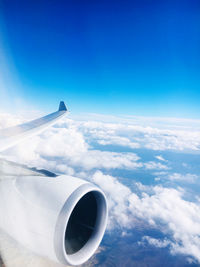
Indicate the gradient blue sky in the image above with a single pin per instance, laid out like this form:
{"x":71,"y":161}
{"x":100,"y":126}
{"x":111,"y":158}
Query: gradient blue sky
{"x":112,"y":57}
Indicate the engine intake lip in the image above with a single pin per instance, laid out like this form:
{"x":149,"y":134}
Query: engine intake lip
{"x":78,"y":202}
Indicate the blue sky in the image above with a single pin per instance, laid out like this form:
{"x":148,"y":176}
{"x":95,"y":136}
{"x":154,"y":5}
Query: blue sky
{"x":111,"y":57}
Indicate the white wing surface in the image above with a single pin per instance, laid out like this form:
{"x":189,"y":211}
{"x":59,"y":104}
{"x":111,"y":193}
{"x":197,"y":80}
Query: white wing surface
{"x":13,"y":135}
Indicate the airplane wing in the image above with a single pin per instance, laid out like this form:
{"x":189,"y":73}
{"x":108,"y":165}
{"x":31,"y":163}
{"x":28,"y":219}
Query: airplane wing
{"x":63,"y":219}
{"x":13,"y":135}
{"x":12,"y":170}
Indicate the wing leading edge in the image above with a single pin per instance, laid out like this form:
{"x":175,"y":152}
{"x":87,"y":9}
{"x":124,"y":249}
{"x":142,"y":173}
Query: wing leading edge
{"x":13,"y":135}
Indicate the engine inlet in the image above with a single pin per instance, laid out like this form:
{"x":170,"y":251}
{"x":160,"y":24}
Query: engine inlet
{"x":81,"y":223}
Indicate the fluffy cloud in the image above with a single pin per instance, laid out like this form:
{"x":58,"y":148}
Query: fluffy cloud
{"x":188,"y":177}
{"x":162,"y":208}
{"x":117,"y":195}
{"x":132,"y":134}
{"x":119,"y":141}
{"x":159,"y":243}
{"x":151,"y":165}
{"x":8,"y":120}
{"x":68,"y":144}
{"x":159,"y":157}
{"x":69,"y":147}
{"x":177,"y":177}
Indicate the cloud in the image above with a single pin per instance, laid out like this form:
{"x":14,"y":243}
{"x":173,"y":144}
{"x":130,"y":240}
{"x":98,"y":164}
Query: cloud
{"x":151,"y":165}
{"x":107,"y":160}
{"x":117,"y":195}
{"x":136,"y":134}
{"x":69,"y":148}
{"x":68,"y":145}
{"x":119,"y":141}
{"x":8,"y":120}
{"x":159,"y":243}
{"x":162,"y":208}
{"x":168,"y":210}
{"x":177,"y":177}
{"x":188,"y":177}
{"x":159,"y":157}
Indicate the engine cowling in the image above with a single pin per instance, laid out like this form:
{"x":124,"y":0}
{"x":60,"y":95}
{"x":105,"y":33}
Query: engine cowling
{"x":62,"y":218}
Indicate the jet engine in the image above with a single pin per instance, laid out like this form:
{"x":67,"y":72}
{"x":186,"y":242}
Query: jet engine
{"x":62,"y":218}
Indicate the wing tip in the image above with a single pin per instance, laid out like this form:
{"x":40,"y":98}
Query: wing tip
{"x":62,"y":106}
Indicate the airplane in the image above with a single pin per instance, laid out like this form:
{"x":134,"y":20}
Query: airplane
{"x":62,"y":218}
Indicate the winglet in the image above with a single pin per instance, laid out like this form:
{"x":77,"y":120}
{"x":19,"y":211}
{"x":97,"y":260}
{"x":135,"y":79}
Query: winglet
{"x":62,"y":106}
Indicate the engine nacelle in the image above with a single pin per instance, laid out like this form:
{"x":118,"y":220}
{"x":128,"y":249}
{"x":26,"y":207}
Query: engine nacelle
{"x":62,"y":218}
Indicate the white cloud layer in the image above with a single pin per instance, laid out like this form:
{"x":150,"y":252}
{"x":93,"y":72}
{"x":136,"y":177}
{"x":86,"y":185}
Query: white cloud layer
{"x":163,"y":208}
{"x":159,"y":243}
{"x":136,"y":134}
{"x":68,"y":148}
{"x":188,"y":177}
